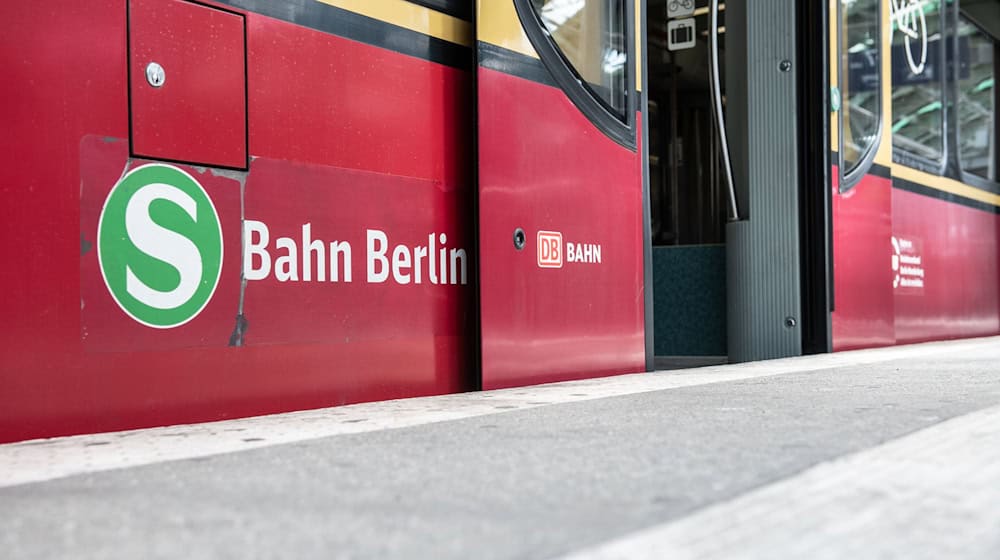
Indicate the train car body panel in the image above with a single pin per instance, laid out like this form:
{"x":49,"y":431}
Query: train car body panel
{"x":317,"y":97}
{"x":350,"y":141}
{"x":545,"y":169}
{"x":915,"y":250}
{"x":944,"y":257}
{"x":573,"y":195}
{"x":862,"y":229}
{"x":187,"y":83}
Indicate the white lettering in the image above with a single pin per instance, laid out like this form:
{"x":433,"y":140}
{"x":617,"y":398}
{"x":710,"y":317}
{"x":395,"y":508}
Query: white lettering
{"x":310,"y":247}
{"x":404,"y":264}
{"x":430,"y":259}
{"x":401,"y":263}
{"x":583,"y":253}
{"x":419,"y":253}
{"x":377,"y":255}
{"x":443,"y":259}
{"x":340,"y":251}
{"x":286,"y":267}
{"x":250,"y":249}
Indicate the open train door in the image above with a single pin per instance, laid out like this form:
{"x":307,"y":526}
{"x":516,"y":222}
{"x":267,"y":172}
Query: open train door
{"x":560,"y":191}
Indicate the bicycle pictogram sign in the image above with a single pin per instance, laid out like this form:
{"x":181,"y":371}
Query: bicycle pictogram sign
{"x":680,"y":8}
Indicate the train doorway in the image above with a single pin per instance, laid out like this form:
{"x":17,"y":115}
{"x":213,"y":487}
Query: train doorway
{"x":689,"y":197}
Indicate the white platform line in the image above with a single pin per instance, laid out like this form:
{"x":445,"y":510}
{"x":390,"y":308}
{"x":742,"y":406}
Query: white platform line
{"x":40,"y":460}
{"x":932,"y":494}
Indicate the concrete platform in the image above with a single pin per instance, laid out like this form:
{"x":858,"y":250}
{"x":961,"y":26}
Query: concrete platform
{"x":890,"y":453}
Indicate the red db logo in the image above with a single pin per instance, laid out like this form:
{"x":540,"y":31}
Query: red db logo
{"x":550,"y":249}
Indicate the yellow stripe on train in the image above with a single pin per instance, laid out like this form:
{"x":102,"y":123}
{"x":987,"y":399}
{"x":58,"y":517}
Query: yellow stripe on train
{"x":411,"y":16}
{"x":944,"y":184}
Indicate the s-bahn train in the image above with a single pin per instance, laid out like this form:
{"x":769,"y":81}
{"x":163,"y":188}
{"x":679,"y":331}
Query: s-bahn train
{"x":225,"y":208}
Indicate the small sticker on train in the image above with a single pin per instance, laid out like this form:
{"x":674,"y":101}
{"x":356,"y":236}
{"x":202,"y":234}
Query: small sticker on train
{"x":907,"y":265}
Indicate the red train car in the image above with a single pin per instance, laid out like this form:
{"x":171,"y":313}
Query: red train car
{"x":224,"y":208}
{"x":211,"y":204}
{"x":916,"y":198}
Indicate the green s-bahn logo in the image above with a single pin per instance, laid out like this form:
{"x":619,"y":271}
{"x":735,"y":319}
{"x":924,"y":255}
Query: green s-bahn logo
{"x":159,"y":243}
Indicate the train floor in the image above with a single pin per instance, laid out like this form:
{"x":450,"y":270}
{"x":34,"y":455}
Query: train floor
{"x":888,"y":453}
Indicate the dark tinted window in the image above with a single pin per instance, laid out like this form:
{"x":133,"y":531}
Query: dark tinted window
{"x":976,"y":101}
{"x":917,"y":71}
{"x":860,"y":80}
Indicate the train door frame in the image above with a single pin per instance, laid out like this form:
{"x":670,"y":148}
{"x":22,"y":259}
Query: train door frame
{"x":688,"y":204}
{"x":816,"y":208}
{"x":642,"y":59}
{"x":777,"y":263}
{"x":764,"y":270}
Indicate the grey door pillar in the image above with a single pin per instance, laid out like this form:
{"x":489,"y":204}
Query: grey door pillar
{"x":763,"y":272}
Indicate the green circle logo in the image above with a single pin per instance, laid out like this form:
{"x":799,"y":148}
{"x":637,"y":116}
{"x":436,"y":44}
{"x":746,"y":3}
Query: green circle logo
{"x":159,"y":243}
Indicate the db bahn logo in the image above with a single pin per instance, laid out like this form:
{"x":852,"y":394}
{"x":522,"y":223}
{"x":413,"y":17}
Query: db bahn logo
{"x":550,"y":253}
{"x":159,"y":243}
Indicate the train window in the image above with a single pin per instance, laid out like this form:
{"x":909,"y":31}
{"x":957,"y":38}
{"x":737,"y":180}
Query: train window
{"x":591,"y":36}
{"x":917,"y":82}
{"x":976,"y":101}
{"x":860,"y":80}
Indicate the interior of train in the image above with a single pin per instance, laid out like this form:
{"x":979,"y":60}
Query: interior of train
{"x":688,"y":194}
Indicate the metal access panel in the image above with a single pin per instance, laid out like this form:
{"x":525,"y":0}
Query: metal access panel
{"x":187,"y":83}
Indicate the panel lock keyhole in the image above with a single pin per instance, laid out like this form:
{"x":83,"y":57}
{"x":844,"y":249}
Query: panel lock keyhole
{"x":519,"y":239}
{"x":155,"y":75}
